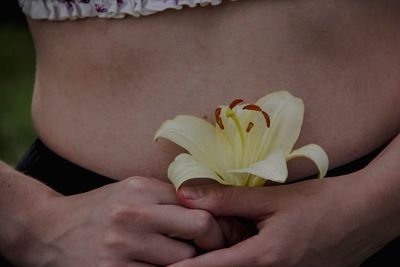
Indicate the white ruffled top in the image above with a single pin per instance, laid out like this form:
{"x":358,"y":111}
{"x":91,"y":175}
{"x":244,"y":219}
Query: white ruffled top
{"x":74,"y":9}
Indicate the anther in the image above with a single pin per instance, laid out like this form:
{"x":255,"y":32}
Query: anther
{"x":266,"y":117}
{"x":235,"y":103}
{"x":257,"y":108}
{"x":218,"y":119}
{"x":249,"y":126}
{"x":252,"y":107}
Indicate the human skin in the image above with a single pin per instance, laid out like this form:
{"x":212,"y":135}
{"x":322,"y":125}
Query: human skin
{"x":332,"y":222}
{"x":117,"y":81}
{"x":129,"y":223}
{"x":103,"y":87}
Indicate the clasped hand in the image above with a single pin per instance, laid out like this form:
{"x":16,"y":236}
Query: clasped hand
{"x":134,"y":222}
{"x":312,"y":223}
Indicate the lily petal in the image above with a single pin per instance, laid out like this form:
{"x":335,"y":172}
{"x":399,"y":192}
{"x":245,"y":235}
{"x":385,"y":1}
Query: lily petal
{"x":273,"y":168}
{"x":316,"y":154}
{"x":207,"y":145}
{"x":286,"y":113}
{"x":185,"y":167}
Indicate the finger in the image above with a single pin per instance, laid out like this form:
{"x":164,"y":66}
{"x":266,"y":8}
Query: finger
{"x":191,"y":224}
{"x":239,"y":255}
{"x":228,"y":200}
{"x":150,"y":190}
{"x":161,"y":250}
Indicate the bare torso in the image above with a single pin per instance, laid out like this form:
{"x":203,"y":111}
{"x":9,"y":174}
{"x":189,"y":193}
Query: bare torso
{"x":103,"y":87}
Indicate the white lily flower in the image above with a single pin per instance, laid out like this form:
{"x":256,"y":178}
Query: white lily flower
{"x":249,"y":144}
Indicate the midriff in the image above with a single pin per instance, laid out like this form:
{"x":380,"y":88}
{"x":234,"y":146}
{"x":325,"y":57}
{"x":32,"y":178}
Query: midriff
{"x":104,"y":86}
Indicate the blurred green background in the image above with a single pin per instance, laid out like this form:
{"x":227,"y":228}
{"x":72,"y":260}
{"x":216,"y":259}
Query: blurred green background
{"x":17,"y":67}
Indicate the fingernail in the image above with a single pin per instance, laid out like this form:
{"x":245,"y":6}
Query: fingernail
{"x":191,"y":193}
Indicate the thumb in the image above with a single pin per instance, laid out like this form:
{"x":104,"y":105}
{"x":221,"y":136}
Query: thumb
{"x":223,"y":200}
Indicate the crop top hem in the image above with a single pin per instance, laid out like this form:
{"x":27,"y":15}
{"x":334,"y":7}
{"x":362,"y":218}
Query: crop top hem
{"x":74,"y":9}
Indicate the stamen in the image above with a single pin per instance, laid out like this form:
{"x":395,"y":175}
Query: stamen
{"x":266,"y":117}
{"x":218,"y":119}
{"x":257,"y":108}
{"x":252,"y":107}
{"x":235,"y":103}
{"x":232,"y":114}
{"x":249,"y":126}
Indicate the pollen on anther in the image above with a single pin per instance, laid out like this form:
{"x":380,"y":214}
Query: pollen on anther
{"x":235,"y":103}
{"x":266,"y":117}
{"x":218,"y":119}
{"x":252,"y":107}
{"x":249,"y":126}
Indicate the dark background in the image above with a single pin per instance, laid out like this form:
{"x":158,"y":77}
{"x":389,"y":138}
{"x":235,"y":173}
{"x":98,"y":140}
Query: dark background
{"x":17,"y":63}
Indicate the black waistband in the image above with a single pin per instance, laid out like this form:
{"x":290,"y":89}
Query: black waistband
{"x":58,"y":173}
{"x":68,"y":178}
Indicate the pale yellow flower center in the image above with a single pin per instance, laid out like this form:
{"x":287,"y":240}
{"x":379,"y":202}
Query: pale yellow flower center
{"x":232,"y":114}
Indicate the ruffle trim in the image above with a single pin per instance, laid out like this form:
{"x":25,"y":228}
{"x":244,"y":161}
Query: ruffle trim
{"x":74,"y":9}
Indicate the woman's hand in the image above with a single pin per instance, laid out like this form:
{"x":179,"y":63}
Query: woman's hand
{"x":314,"y":223}
{"x":135,"y":222}
{"x":331,"y":222}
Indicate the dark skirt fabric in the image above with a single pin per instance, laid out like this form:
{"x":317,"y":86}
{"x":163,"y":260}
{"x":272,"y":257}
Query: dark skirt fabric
{"x":67,"y":178}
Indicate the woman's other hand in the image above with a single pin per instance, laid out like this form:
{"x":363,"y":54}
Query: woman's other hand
{"x":135,"y":222}
{"x":330,"y":222}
